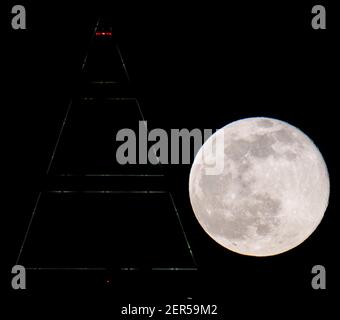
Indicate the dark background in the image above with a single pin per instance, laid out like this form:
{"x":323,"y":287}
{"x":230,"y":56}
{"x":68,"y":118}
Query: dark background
{"x":194,"y":65}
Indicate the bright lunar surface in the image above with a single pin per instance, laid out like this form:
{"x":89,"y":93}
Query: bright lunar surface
{"x":272,"y":192}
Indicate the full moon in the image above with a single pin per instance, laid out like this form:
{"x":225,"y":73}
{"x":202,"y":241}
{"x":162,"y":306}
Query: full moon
{"x":271,"y":193}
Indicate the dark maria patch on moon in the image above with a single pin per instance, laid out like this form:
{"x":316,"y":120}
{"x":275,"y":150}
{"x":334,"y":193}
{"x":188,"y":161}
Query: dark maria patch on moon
{"x":261,"y":146}
{"x":237,"y":149}
{"x":211,"y":184}
{"x":285,"y":136}
{"x":259,"y":211}
{"x":265,"y":123}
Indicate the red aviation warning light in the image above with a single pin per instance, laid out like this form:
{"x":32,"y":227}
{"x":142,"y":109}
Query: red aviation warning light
{"x":103,"y":33}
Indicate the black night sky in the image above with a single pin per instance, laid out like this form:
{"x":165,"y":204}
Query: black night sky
{"x":188,"y":66}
